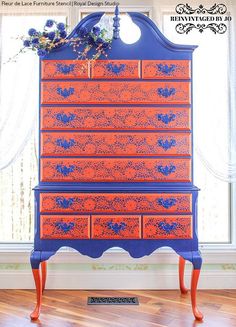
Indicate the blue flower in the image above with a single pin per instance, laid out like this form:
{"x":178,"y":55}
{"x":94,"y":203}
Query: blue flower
{"x":63,"y":34}
{"x":35,"y":41}
{"x":26,"y":43}
{"x":96,"y":30}
{"x":41,"y":53}
{"x":32,"y":31}
{"x":49,"y":23}
{"x":51,"y":35}
{"x":82,"y":32}
{"x":90,"y":40}
{"x":56,"y":40}
{"x":105,"y":45}
{"x":61,"y":26}
{"x":99,"y":41}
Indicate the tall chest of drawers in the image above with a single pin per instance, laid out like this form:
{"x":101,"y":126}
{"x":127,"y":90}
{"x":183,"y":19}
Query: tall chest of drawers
{"x":116,"y":165}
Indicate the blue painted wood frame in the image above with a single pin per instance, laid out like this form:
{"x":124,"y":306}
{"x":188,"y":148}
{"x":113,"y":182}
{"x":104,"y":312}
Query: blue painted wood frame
{"x":152,"y":45}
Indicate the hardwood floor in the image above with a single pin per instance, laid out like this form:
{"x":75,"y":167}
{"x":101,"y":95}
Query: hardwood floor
{"x":64,"y":308}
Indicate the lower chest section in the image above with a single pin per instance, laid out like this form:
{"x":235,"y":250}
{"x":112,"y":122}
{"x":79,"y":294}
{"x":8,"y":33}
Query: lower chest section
{"x":115,"y":216}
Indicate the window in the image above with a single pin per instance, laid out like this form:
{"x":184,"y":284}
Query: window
{"x":18,"y":179}
{"x":210,"y":97}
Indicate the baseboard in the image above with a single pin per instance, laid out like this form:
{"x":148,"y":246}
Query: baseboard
{"x":219,"y":270}
{"x":115,"y":255}
{"x":164,"y":279}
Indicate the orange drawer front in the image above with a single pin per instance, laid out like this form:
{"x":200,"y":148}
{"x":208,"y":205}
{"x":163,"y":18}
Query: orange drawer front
{"x":115,"y":118}
{"x":115,"y":144}
{"x":167,"y":227}
{"x":115,"y":170}
{"x":116,"y":202}
{"x":63,"y":69}
{"x":116,"y":227}
{"x":115,"y":92}
{"x":166,"y":69}
{"x":64,"y":227}
{"x":114,"y":69}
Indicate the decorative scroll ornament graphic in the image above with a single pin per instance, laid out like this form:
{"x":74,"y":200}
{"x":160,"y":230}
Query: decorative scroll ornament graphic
{"x":198,"y":15}
{"x":219,"y":9}
{"x":186,"y":28}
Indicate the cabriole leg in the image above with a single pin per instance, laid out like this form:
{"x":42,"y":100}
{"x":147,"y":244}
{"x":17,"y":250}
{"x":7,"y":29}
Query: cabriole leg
{"x":197,"y":262}
{"x":182,"y":287}
{"x":38,"y":283}
{"x":35,"y":263}
{"x":44,"y":274}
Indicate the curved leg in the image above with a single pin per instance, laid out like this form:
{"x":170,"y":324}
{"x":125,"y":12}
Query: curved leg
{"x":197,"y":263}
{"x":182,"y":287}
{"x":37,"y":258}
{"x":44,"y":274}
{"x":195,"y":275}
{"x":38,"y":283}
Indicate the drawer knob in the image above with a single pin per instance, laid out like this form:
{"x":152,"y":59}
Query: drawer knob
{"x":165,"y":69}
{"x":116,"y":227}
{"x":165,"y":92}
{"x":66,"y":92}
{"x":165,"y":170}
{"x":166,"y":119}
{"x":64,"y":143}
{"x":64,"y":203}
{"x":64,"y":226}
{"x":65,"y":119}
{"x":65,"y":170}
{"x":167,"y":203}
{"x":168,"y":228}
{"x":115,"y":68}
{"x":166,"y":144}
{"x":65,"y":69}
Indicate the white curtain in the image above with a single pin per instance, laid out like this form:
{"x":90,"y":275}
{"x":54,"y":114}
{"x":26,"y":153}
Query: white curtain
{"x":19,"y":93}
{"x":217,"y":149}
{"x":214,"y":80}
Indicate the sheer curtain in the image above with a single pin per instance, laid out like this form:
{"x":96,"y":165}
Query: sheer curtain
{"x":18,"y":92}
{"x":214,"y":91}
{"x":217,"y":151}
{"x":214,"y":119}
{"x":18,"y":128}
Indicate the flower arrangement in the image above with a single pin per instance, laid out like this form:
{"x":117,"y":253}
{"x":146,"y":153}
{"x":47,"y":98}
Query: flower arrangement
{"x":54,"y":35}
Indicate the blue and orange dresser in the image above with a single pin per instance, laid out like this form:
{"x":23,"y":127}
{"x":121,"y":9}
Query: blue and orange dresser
{"x":116,"y":166}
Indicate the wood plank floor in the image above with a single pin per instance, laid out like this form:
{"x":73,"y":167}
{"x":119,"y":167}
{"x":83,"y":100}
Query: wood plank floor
{"x":64,"y":308}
